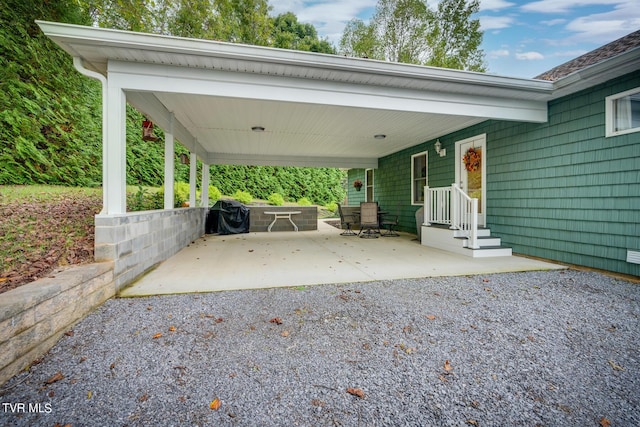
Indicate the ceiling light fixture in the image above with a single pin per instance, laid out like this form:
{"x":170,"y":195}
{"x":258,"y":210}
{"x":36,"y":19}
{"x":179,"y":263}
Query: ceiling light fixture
{"x":380,"y":136}
{"x":257,"y":129}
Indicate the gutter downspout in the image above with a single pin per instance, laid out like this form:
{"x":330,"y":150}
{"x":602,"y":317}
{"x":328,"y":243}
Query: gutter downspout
{"x":77,"y":62}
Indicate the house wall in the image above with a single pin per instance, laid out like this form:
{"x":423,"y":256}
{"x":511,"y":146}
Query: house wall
{"x":558,"y":190}
{"x":354,"y":197}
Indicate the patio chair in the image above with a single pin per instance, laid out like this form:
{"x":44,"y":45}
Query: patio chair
{"x":369,"y":220}
{"x":389,"y":221}
{"x":346,"y":221}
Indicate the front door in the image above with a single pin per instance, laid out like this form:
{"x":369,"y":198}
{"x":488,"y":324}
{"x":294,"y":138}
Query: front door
{"x":471,"y":170}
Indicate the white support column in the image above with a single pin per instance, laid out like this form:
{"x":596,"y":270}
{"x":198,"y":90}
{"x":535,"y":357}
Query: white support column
{"x":169,"y":165}
{"x":205,"y":185}
{"x":193,"y":163}
{"x":115,"y":168}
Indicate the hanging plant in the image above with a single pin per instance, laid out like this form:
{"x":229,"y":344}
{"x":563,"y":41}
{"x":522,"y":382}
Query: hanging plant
{"x":357,"y":184}
{"x":471,"y":160}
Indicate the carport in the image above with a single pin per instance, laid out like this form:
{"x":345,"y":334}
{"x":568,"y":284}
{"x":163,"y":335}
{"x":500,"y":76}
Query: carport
{"x":238,"y":104}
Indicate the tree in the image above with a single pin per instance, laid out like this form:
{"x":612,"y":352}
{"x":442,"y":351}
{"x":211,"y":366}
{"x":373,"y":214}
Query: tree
{"x":455,"y":42}
{"x":49,"y":113}
{"x":408,"y":31}
{"x":288,"y":33}
{"x":402,"y":26}
{"x":359,"y":40}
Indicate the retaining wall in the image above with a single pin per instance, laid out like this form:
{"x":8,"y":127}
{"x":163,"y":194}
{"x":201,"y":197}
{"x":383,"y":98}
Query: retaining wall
{"x":306,"y":220}
{"x":34,"y":316}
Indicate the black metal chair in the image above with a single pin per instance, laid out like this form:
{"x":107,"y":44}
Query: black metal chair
{"x":346,"y":221}
{"x":369,"y":220}
{"x":389,"y":222}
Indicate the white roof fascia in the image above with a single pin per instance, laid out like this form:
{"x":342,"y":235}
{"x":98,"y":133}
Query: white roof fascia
{"x":159,"y":78}
{"x":66,"y":35}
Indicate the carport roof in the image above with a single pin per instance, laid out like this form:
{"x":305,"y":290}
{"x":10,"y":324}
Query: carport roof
{"x":316,"y":109}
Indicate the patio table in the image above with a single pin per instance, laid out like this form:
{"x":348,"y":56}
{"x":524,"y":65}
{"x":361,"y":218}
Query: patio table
{"x":283,"y":215}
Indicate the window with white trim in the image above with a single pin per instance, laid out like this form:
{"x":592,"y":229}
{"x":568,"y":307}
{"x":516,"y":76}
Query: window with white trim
{"x":418,"y":177}
{"x":369,"y":184}
{"x":623,"y":113}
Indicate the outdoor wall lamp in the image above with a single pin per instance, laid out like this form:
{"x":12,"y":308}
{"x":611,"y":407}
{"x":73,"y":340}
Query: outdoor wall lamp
{"x":439,"y":149}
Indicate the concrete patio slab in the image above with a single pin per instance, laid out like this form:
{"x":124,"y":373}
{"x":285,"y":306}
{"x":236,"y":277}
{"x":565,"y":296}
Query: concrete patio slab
{"x":264,"y":260}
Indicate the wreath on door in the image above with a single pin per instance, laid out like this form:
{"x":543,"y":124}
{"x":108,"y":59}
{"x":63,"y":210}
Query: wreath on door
{"x":471,"y":160}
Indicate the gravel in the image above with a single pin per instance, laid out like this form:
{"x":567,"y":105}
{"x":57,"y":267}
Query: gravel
{"x":554,"y":348}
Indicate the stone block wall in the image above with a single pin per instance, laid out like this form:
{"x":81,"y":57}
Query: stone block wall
{"x":34,"y":316}
{"x":137,"y":241}
{"x":306,"y":220}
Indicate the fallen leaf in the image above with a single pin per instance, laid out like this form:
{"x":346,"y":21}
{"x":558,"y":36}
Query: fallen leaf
{"x":56,"y":377}
{"x":172,"y":328}
{"x":615,"y":367}
{"x":285,"y":334}
{"x":447,"y":366}
{"x":485,"y":280}
{"x":89,"y":394}
{"x":487,"y":289}
{"x":472,"y":422}
{"x":605,"y":422}
{"x":276,"y":320}
{"x":69,"y":333}
{"x":143,"y":398}
{"x":219,"y":320}
{"x":318,"y":402}
{"x":158,"y":335}
{"x":431,"y":317}
{"x":215,"y":405}
{"x":356,"y":392}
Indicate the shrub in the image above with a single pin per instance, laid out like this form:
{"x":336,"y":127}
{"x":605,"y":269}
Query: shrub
{"x":214,"y":194}
{"x":243,"y":197}
{"x":304,"y":202}
{"x":276,"y":199}
{"x":332,"y":207}
{"x":180,"y":193}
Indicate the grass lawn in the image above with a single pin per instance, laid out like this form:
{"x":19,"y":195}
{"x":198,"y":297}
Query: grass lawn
{"x":45,"y":227}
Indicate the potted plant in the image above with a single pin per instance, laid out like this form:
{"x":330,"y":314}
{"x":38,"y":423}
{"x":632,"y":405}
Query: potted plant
{"x":357,"y":184}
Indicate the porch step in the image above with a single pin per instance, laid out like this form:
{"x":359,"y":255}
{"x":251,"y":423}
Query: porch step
{"x":441,"y":237}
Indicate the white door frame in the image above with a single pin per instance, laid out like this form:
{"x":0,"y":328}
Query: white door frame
{"x":478,"y":141}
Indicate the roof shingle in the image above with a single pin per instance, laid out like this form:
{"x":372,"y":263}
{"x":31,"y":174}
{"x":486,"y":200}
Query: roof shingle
{"x":622,"y":45}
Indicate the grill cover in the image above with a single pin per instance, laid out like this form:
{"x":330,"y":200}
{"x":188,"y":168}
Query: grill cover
{"x":227,"y":217}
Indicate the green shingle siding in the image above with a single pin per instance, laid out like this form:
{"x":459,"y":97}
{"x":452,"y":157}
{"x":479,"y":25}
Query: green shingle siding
{"x":558,"y":190}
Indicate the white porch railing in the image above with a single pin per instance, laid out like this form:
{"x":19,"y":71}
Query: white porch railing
{"x":452,"y":206}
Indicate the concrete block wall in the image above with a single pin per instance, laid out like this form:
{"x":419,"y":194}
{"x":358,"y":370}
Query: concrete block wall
{"x":34,"y":316}
{"x":306,"y":220}
{"x":136,"y":241}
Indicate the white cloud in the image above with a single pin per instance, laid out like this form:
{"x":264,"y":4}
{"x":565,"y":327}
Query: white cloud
{"x":553,"y":22}
{"x":565,"y":6}
{"x":495,"y":4}
{"x":495,"y":22}
{"x":529,"y":56}
{"x":500,"y":53}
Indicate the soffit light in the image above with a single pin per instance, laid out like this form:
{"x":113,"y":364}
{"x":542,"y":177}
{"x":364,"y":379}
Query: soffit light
{"x":380,"y":136}
{"x":257,"y":129}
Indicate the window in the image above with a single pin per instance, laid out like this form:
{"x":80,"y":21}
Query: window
{"x":418,"y":177}
{"x":368,"y":182}
{"x":623,"y":113}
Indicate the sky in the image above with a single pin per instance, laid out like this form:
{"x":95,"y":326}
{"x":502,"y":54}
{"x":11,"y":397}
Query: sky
{"x":521,"y":38}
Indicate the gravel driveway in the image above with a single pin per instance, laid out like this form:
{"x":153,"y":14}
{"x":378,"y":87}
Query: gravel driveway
{"x":555,"y":348}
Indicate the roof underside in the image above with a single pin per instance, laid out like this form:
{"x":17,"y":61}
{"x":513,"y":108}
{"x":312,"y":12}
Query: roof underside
{"x":317,"y":110}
